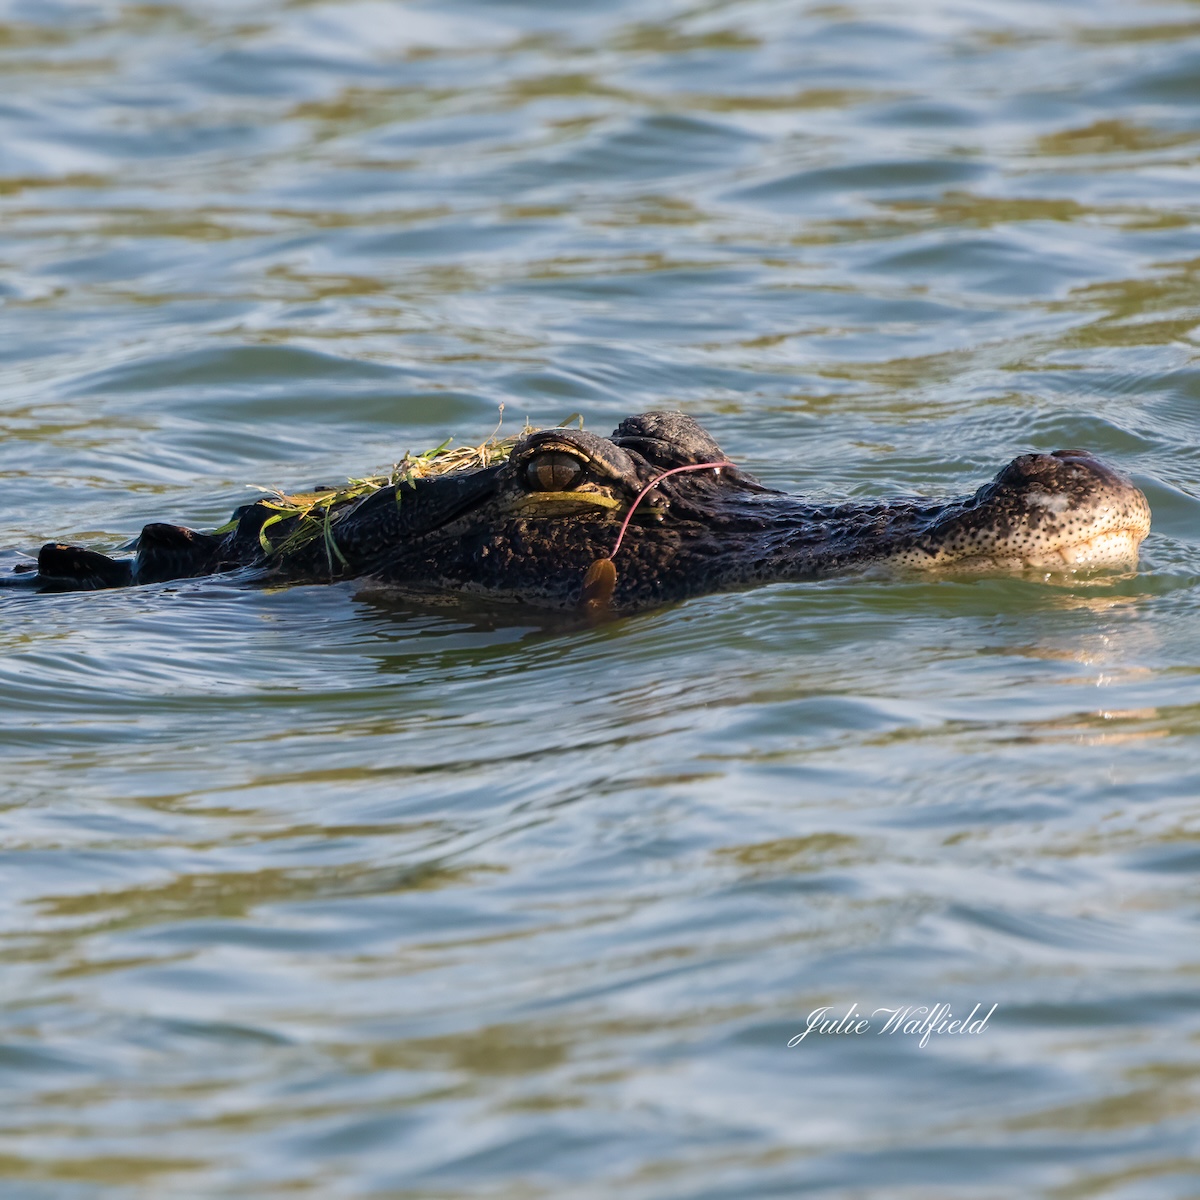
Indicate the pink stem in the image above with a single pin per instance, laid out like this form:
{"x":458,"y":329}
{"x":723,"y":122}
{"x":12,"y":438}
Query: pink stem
{"x":653,"y":484}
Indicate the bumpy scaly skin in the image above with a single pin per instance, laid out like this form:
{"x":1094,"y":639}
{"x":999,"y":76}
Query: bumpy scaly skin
{"x":1050,"y":511}
{"x":529,"y":529}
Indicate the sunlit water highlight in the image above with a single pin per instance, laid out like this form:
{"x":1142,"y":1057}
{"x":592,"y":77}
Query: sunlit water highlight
{"x":308,"y":891}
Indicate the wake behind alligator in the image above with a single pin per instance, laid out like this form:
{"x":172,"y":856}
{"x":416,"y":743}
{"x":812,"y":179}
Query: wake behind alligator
{"x":535,"y":526}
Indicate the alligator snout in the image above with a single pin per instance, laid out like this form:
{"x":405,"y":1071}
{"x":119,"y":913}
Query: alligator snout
{"x":1044,"y":511}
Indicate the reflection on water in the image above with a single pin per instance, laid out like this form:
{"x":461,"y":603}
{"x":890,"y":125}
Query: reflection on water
{"x":317,"y":891}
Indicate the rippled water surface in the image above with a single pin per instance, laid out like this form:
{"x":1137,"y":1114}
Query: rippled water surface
{"x":310,"y":892}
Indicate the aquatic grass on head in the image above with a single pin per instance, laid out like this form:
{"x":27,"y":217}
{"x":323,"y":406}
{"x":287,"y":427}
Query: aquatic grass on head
{"x":312,"y":515}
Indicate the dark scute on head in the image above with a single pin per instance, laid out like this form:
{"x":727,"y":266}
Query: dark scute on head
{"x":72,"y":568}
{"x":667,"y":439}
{"x":172,"y":552}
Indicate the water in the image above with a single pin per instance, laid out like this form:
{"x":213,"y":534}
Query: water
{"x":309,"y":892}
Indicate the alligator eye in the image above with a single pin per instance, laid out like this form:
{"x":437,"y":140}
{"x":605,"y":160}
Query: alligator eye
{"x":553,"y":472}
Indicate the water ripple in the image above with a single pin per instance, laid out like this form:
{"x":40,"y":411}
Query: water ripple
{"x":321,"y":890}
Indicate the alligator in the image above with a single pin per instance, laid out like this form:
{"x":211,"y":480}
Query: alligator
{"x":653,"y":514}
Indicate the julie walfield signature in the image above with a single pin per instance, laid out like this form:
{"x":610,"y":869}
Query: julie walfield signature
{"x":924,"y":1021}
